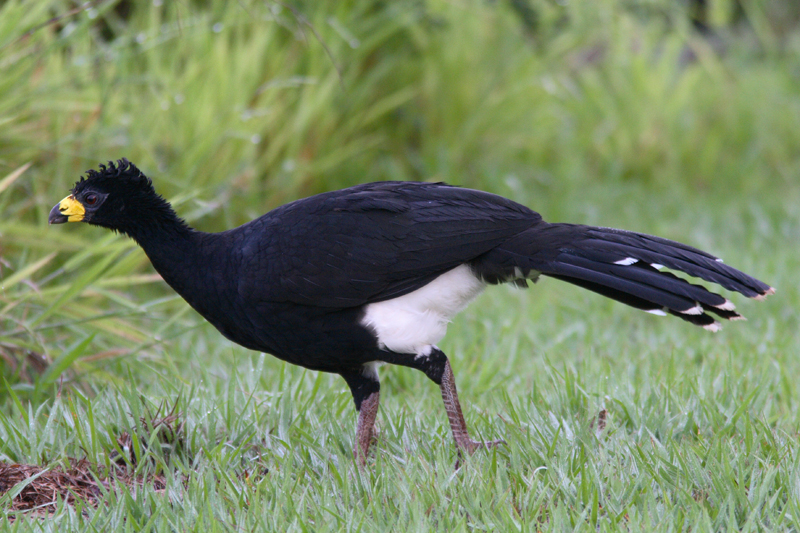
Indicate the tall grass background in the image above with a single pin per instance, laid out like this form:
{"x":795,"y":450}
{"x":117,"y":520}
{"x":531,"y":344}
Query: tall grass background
{"x":651,"y":115}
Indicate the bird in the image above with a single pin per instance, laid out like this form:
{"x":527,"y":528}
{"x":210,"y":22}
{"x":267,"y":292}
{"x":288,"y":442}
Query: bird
{"x":348,"y":280}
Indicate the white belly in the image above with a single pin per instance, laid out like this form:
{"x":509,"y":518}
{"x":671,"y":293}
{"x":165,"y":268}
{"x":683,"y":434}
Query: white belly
{"x":417,"y":320}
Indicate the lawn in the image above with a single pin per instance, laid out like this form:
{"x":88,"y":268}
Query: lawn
{"x":648,"y":115}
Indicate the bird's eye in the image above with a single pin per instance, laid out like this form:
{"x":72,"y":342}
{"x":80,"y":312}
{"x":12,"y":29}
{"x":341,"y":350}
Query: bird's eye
{"x":90,"y":199}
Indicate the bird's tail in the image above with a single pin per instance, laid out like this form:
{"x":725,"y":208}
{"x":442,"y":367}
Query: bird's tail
{"x":628,"y":267}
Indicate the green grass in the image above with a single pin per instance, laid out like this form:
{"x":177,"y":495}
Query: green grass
{"x":233,"y":108}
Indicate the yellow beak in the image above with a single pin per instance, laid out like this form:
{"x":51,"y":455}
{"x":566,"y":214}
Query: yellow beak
{"x":67,"y":210}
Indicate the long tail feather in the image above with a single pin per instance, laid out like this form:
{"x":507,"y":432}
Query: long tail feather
{"x":625,"y":266}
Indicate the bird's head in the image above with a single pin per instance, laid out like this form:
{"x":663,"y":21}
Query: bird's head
{"x":117,"y":196}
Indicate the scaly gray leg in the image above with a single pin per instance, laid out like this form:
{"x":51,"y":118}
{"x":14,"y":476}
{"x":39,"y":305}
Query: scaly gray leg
{"x":437,"y":368}
{"x":366,"y":423}
{"x":366,"y":390}
{"x":457,"y":423}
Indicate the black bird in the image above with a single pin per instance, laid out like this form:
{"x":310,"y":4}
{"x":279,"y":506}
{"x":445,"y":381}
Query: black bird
{"x":347,"y":280}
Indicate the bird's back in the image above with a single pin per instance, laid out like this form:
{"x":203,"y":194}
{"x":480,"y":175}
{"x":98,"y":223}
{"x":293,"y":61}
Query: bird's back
{"x":373,"y":242}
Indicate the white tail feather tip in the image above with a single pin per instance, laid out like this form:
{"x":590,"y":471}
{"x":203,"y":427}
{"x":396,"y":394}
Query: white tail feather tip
{"x":767,"y":292}
{"x":713,"y":327}
{"x":727,"y":306}
{"x":627,"y":261}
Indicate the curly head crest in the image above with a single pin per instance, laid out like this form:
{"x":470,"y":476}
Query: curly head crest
{"x":122,"y":169}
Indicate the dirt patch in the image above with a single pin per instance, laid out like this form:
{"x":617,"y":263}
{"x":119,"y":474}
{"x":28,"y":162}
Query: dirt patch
{"x":34,"y":488}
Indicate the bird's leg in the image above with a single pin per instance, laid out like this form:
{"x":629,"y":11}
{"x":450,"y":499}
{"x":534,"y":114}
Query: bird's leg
{"x":436,"y":366}
{"x":457,"y":423}
{"x":366,"y":423}
{"x":365,"y":387}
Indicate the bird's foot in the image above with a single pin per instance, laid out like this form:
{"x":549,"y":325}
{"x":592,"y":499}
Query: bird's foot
{"x":471,"y":446}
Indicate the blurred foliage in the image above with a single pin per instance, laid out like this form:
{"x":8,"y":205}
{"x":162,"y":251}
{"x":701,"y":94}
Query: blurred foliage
{"x":672,"y":117}
{"x":236,"y":107}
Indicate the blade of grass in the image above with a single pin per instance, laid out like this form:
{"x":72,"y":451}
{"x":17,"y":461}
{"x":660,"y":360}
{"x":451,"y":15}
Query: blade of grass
{"x":78,"y":285}
{"x":26,"y":272}
{"x":6,"y":182}
{"x":63,"y":362}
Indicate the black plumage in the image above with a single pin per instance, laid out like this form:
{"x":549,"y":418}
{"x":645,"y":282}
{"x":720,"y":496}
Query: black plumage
{"x":340,"y":281}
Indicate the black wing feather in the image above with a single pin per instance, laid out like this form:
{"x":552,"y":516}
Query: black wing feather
{"x":378,"y":241}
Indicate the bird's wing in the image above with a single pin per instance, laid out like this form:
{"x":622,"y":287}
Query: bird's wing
{"x":374,"y":242}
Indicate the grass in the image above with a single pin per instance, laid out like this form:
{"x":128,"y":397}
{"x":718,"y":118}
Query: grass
{"x":605,"y":113}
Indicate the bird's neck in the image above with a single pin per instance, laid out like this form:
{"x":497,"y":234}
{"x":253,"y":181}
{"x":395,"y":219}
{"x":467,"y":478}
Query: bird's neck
{"x":177,"y":252}
{"x":156,"y":224}
{"x":195,"y":265}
